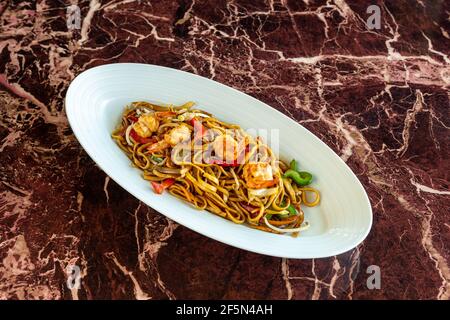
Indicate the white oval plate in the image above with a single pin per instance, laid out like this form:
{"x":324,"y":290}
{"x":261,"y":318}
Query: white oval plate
{"x":97,"y":97}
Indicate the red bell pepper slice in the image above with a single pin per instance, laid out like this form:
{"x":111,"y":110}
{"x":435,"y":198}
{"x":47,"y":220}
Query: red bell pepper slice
{"x":136,"y":137}
{"x":159,"y":187}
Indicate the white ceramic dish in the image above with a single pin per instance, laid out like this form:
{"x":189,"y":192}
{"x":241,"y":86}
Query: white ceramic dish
{"x":95,"y":101}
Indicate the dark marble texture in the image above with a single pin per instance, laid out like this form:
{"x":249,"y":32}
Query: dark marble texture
{"x":379,"y":98}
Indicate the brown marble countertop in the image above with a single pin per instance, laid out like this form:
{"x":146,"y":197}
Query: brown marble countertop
{"x":378,"y":97}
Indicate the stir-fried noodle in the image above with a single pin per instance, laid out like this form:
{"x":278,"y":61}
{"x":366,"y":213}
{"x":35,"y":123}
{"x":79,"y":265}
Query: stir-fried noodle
{"x":215,"y":166}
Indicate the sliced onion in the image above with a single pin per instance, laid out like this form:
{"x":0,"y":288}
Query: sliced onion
{"x":249,"y":208}
{"x":127,"y":135}
{"x":189,"y":115}
{"x":273,"y":212}
{"x":203,"y":115}
{"x":286,"y":230}
{"x":175,"y":171}
{"x":262,"y":192}
{"x":168,"y":170}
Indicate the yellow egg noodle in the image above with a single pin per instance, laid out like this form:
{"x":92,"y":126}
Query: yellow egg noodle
{"x":215,"y":166}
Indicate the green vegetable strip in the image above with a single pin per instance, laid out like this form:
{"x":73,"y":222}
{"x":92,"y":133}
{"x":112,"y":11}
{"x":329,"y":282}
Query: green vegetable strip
{"x":292,"y":211}
{"x":301,"y":178}
{"x":294,"y":165}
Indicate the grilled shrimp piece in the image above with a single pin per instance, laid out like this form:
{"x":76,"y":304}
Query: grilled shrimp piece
{"x":177,"y":135}
{"x":259,"y":175}
{"x":158,"y":146}
{"x":225,"y":147}
{"x":146,"y":125}
{"x":172,"y":138}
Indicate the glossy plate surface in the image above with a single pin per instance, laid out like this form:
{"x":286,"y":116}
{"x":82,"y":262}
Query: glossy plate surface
{"x":95,"y":101}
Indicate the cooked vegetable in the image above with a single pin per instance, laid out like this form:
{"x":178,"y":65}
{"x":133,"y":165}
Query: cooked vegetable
{"x":160,"y":187}
{"x":157,"y":159}
{"x":138,"y":138}
{"x":293,"y":165}
{"x":301,"y":178}
{"x":292,"y":211}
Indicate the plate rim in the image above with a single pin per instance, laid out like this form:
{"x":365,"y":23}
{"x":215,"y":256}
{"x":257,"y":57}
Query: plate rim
{"x":256,"y":249}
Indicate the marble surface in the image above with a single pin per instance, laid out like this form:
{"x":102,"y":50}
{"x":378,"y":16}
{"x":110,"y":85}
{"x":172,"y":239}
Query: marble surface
{"x":379,"y":98}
